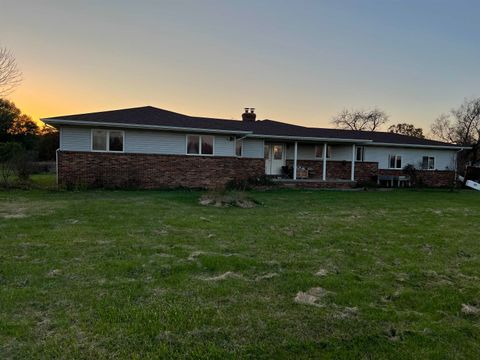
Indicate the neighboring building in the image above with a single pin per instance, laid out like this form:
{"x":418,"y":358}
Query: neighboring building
{"x":153,"y":148}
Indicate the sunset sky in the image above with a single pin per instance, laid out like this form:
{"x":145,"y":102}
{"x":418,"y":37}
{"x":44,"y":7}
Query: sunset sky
{"x":295,"y":61}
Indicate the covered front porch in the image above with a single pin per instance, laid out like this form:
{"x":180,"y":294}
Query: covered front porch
{"x":309,"y":162}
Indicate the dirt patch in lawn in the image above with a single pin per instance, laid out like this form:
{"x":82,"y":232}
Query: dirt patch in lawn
{"x":227,"y":200}
{"x":312,"y":297}
{"x":468,"y":309}
{"x":224,"y":276}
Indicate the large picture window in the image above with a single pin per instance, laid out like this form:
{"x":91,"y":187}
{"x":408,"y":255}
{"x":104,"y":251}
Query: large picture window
{"x":319,"y":151}
{"x":428,"y":163}
{"x":107,"y":140}
{"x":395,"y":162}
{"x":200,"y":144}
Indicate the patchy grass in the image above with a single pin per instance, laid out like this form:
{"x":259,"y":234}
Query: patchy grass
{"x":306,"y":274}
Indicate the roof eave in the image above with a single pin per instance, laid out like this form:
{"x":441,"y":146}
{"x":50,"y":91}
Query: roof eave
{"x":309,"y":138}
{"x":448,"y":147}
{"x":142,"y":127}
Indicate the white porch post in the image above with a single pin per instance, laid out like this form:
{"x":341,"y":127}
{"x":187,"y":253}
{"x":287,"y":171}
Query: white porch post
{"x":324,"y":164}
{"x":295,"y":161}
{"x":353,"y":163}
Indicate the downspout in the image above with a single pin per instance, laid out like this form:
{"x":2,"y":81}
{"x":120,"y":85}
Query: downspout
{"x":456,"y":169}
{"x":56,"y":165}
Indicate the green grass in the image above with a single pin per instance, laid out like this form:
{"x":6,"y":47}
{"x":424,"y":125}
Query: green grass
{"x":152,"y":274}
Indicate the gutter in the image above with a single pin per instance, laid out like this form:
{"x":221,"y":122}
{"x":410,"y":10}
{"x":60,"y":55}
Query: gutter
{"x":452,"y":147}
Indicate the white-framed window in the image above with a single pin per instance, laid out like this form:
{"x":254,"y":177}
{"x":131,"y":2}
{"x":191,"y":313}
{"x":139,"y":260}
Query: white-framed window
{"x":108,"y":140}
{"x":360,"y":153}
{"x":395,"y":162}
{"x":319,"y":151}
{"x":199,"y":144}
{"x":238,"y":147}
{"x":428,"y":163}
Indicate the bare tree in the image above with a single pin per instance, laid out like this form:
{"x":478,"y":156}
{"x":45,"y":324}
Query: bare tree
{"x":363,"y":120}
{"x":10,"y":75}
{"x":461,"y":126}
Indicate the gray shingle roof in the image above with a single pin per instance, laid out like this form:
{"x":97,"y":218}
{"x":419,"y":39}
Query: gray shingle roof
{"x":151,"y":116}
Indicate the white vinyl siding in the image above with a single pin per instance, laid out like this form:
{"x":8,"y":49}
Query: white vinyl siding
{"x":444,"y":159}
{"x":253,"y":148}
{"x":75,"y":139}
{"x":224,"y":145}
{"x":154,"y":142}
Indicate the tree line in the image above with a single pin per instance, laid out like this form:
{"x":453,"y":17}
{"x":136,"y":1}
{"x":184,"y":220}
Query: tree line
{"x":22,"y":141}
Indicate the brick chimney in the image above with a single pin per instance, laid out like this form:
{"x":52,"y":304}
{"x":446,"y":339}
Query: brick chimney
{"x":249,"y":114}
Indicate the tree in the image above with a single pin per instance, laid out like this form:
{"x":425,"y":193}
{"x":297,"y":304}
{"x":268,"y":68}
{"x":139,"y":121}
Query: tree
{"x":407,"y":129}
{"x":8,"y":114}
{"x":48,"y":143}
{"x":8,"y":156}
{"x":10,"y":75}
{"x":363,"y":120}
{"x":15,"y":126}
{"x":461,"y":126}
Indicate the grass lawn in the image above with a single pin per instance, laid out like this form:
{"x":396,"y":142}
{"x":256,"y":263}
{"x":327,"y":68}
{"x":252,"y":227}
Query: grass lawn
{"x":307,"y":274}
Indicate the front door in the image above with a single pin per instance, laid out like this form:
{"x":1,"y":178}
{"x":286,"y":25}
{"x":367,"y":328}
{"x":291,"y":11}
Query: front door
{"x":274,"y":158}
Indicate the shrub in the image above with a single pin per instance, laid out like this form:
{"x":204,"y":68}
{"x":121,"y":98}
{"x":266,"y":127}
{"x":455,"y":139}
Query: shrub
{"x":8,"y":153}
{"x":411,"y":171}
{"x":250,"y":183}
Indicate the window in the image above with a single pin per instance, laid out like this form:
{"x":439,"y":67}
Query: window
{"x":200,"y":144}
{"x":238,"y":147}
{"x":99,"y":140}
{"x":115,"y":141}
{"x":360,"y":153}
{"x":193,"y":144}
{"x":277,"y":152}
{"x":107,"y":140}
{"x":319,"y":151}
{"x":395,"y":162}
{"x":207,"y":145}
{"x":428,"y":163}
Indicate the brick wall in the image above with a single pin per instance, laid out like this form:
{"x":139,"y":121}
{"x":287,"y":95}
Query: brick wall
{"x":169,"y":171}
{"x":153,"y":171}
{"x":429,"y":178}
{"x":368,"y":171}
{"x":364,"y":171}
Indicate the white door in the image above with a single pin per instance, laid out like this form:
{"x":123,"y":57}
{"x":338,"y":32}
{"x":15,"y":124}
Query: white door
{"x":274,"y":158}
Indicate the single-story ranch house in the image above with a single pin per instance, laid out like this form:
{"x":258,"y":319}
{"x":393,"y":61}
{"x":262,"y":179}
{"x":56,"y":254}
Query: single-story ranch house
{"x":152,"y":148}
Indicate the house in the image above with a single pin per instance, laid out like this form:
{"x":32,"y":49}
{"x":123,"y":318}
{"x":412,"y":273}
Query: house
{"x":151,"y":148}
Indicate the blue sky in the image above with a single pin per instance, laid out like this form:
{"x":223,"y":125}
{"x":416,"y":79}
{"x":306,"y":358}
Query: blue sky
{"x":295,"y":61}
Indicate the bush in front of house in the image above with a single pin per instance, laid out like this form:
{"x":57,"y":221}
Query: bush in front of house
{"x":250,"y":183}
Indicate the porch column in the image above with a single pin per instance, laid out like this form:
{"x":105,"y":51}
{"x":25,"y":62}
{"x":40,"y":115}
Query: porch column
{"x":353,"y":163}
{"x":324,"y":164}
{"x":295,"y":161}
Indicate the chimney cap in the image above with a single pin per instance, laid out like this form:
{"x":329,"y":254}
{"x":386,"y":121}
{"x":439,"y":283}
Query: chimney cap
{"x":249,"y":114}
